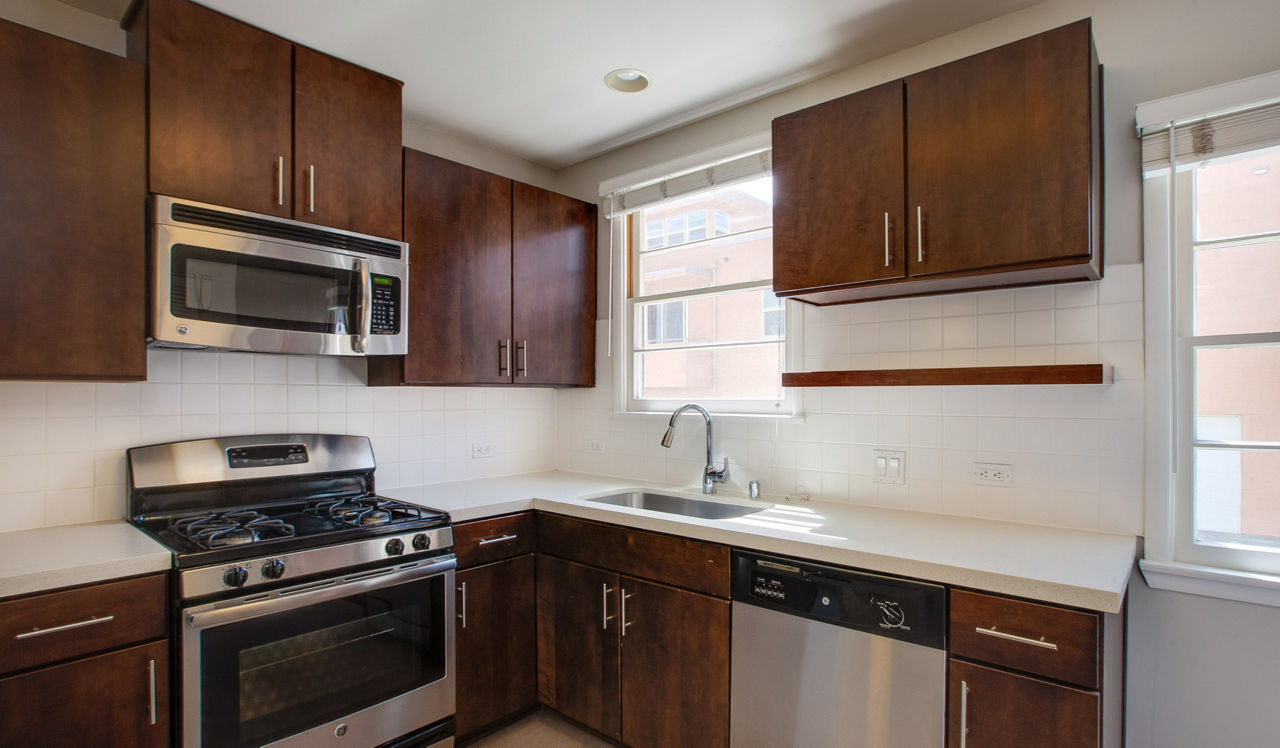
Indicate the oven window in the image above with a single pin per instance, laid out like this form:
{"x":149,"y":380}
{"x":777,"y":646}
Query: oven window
{"x":273,"y":676}
{"x":241,"y":289}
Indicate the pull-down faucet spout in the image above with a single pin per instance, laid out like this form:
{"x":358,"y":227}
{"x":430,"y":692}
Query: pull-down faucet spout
{"x":711,"y":475}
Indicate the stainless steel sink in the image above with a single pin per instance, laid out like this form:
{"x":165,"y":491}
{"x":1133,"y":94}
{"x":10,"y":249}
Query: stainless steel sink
{"x":657,"y":502}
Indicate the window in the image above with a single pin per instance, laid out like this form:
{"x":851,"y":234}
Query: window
{"x":701,"y":321}
{"x":1212,"y":223}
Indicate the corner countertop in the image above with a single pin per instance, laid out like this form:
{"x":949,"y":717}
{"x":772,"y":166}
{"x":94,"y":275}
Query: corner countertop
{"x":85,"y":553}
{"x":1068,"y":567}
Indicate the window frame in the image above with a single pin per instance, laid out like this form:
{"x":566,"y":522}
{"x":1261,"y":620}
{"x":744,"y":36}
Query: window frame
{"x":629,"y":234}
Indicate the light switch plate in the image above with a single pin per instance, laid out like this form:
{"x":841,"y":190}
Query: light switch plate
{"x":889,"y":466}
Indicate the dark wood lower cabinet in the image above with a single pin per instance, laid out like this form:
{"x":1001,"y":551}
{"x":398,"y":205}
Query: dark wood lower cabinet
{"x":675,"y":666}
{"x":992,"y":708}
{"x":108,"y":700}
{"x":496,"y":643}
{"x":578,"y":643}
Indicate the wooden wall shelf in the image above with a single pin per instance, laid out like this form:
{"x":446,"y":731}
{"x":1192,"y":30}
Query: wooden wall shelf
{"x":973,"y":375}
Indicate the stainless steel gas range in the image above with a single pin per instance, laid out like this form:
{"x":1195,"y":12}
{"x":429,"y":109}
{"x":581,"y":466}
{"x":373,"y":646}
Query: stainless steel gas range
{"x":309,"y":610}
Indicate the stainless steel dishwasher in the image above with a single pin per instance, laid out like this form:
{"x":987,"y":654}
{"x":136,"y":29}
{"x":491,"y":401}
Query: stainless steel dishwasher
{"x":829,"y":656}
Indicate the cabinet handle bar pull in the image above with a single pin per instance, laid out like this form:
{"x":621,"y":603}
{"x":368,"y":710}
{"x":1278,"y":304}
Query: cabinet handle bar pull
{"x":504,"y":357}
{"x":919,"y":234}
{"x":886,"y":240}
{"x":1015,"y":638}
{"x":280,"y":181}
{"x":522,"y":361}
{"x":964,"y":713}
{"x":625,"y":622}
{"x":503,"y":539}
{"x":463,"y":589}
{"x":151,"y":669}
{"x":311,"y":189}
{"x":605,"y":589}
{"x":64,"y":627}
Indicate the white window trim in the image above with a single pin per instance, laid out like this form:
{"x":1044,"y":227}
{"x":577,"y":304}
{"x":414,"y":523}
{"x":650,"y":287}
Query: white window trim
{"x":1166,"y":564}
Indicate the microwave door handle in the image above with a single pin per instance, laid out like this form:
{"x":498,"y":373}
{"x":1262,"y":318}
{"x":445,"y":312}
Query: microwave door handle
{"x":360,"y":341}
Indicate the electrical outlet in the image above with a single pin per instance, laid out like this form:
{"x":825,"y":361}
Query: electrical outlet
{"x":595,"y":446}
{"x":480,"y":450}
{"x":889,"y":466}
{"x":992,"y":474}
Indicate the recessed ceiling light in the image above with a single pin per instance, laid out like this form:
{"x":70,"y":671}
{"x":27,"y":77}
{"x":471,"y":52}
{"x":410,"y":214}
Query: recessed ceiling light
{"x":627,"y":80}
{"x":1260,"y":171}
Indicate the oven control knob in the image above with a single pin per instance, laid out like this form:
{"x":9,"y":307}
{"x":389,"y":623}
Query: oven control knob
{"x":236,"y":576}
{"x":273,"y":569}
{"x":421,"y":542}
{"x":395,"y":547}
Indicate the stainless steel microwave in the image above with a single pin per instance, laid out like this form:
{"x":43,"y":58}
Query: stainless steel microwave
{"x":230,"y":279}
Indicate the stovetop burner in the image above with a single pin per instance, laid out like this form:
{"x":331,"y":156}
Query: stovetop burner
{"x":366,"y":510}
{"x":221,"y":529}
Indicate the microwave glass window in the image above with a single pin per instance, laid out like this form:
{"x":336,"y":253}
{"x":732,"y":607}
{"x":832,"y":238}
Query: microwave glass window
{"x":234,"y":288}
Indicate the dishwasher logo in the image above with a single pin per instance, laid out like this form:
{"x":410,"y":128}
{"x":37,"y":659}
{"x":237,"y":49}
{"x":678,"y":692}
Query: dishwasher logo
{"x":891,"y":615}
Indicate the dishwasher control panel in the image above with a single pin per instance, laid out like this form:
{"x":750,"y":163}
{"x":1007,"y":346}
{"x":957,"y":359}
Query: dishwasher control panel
{"x":889,"y":606}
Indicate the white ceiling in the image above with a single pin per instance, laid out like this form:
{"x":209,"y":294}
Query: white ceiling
{"x":525,"y":76}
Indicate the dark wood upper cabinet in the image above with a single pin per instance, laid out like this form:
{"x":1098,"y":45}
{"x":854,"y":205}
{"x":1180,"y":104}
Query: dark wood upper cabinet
{"x":675,"y":667}
{"x":457,"y":222}
{"x":496,"y":643}
{"x":989,"y":708}
{"x":997,"y":183}
{"x":73,"y":180}
{"x":553,"y":260}
{"x":578,"y":643}
{"x":822,"y":229}
{"x":220,"y":107}
{"x":242,"y":118}
{"x":1002,"y":154}
{"x":503,"y":287}
{"x":346,"y":144}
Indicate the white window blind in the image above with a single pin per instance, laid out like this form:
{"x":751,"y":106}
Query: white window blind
{"x":719,"y":174}
{"x":1210,"y":137}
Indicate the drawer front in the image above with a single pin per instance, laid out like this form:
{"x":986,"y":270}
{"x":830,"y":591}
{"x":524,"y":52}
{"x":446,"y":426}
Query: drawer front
{"x":1042,"y":639}
{"x":693,"y":564}
{"x":487,"y":540}
{"x":59,"y":625}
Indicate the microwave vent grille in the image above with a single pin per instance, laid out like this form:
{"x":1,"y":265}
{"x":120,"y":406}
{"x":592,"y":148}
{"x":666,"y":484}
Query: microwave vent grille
{"x":264,"y":227}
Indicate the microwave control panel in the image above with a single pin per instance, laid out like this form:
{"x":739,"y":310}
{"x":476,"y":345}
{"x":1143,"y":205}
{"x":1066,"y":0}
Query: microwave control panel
{"x":386,"y":305}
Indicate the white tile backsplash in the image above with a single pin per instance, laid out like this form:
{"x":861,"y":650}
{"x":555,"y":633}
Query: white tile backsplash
{"x":63,"y":442}
{"x":1076,"y":450}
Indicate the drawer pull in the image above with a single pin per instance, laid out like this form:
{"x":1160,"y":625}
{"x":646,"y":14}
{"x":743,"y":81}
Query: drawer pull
{"x":65,"y":627}
{"x":964,"y":713}
{"x":151,"y":671}
{"x":503,"y":539}
{"x":1015,"y":638}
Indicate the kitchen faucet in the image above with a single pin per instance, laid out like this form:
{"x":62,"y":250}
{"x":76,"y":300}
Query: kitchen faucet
{"x":710,"y":474}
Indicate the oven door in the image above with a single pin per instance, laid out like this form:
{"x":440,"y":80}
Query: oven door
{"x":357,"y":660}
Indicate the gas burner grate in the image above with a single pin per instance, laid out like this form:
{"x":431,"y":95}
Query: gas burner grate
{"x":365,"y":511}
{"x":222,"y":529}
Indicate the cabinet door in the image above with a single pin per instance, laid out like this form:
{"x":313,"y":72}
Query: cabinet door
{"x":675,"y":667}
{"x":1000,"y":147}
{"x":553,"y":310}
{"x":994,"y":709}
{"x":838,"y":191}
{"x":220,"y":107}
{"x":458,"y":224}
{"x":578,"y":643}
{"x":116,"y":699}
{"x":73,"y":180}
{"x":346,"y":144}
{"x":497,"y":654}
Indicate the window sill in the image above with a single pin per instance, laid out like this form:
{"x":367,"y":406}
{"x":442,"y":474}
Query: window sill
{"x":1210,"y":581}
{"x":785,"y":418}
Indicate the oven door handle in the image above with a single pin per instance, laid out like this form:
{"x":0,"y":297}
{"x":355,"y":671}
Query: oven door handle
{"x":360,"y":341}
{"x":255,"y":606}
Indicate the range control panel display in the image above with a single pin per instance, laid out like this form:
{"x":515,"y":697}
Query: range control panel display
{"x":386,"y":305}
{"x":267,"y":455}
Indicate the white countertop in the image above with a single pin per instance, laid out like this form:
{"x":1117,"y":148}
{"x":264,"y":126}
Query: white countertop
{"x":48,"y":558}
{"x":1069,"y":567}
